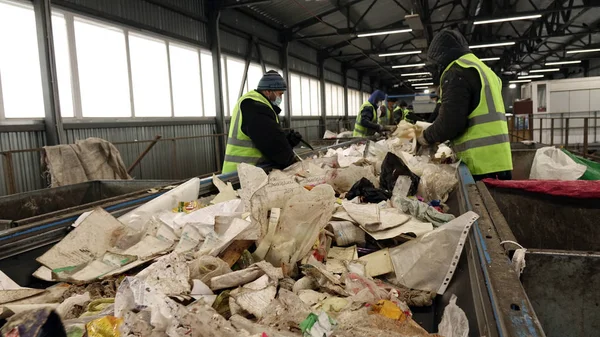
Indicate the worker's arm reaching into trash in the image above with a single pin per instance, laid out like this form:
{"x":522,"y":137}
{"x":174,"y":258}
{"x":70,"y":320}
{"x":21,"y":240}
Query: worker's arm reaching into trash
{"x":460,"y":86}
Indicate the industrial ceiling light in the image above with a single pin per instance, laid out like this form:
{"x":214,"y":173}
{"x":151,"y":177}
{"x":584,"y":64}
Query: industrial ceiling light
{"x":512,"y":85}
{"x":583,"y":51}
{"x":410,"y":52}
{"x":421,"y":88}
{"x":529,"y":76}
{"x":490,"y":59}
{"x":562,"y":62}
{"x":421,"y":84}
{"x":409,"y":65}
{"x":490,"y":45}
{"x":426,"y":91}
{"x":513,"y":18}
{"x":519,"y":81}
{"x":385,"y":32}
{"x":415,"y":74}
{"x":420,"y":79}
{"x":544,"y":70}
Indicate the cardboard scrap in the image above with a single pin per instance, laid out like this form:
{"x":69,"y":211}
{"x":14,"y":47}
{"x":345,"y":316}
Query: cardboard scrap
{"x":90,"y":240}
{"x":378,"y":263}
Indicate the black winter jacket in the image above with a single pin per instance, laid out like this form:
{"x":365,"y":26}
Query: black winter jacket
{"x":259,"y":123}
{"x":461,"y":87}
{"x":366,"y":117}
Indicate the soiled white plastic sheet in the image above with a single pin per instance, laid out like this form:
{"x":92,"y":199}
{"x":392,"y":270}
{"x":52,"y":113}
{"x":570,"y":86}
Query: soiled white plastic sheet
{"x":428,"y":262}
{"x":187,"y":191}
{"x":10,"y":291}
{"x":384,"y":223}
{"x":302,"y":218}
{"x":551,"y":163}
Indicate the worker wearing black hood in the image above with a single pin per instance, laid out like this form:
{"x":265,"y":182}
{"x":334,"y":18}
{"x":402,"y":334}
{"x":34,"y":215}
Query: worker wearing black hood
{"x":471,"y":114}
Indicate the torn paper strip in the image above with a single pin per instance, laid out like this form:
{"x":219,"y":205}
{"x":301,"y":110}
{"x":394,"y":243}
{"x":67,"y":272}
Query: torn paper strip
{"x":252,"y":178}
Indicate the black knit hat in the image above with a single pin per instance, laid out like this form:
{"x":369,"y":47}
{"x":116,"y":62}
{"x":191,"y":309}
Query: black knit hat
{"x":271,"y":81}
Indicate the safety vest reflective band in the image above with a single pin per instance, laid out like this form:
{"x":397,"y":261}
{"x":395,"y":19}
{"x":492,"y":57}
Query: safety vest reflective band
{"x":240,"y":148}
{"x":485,"y":146}
{"x":405,"y":113}
{"x":359,"y":130}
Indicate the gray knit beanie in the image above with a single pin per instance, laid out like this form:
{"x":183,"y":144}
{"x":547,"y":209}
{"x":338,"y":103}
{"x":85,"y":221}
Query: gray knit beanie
{"x":271,"y":81}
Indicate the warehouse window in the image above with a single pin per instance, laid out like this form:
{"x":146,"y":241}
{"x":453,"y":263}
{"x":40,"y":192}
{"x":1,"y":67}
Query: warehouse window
{"x":142,"y":74}
{"x":334,"y":100}
{"x":19,"y":63}
{"x":150,"y":77}
{"x":355,"y":100}
{"x":306,"y":95}
{"x":102,"y":66}
{"x":185,"y":81}
{"x":235,"y":71}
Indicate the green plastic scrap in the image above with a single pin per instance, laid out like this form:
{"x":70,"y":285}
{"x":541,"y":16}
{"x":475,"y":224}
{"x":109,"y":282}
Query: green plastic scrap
{"x":317,"y":325}
{"x":308,"y":323}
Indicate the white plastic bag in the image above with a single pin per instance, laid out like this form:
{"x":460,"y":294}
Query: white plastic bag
{"x":454,"y":321}
{"x":551,"y":163}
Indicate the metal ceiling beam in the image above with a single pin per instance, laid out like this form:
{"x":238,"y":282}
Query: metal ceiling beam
{"x":542,"y":11}
{"x":317,"y":19}
{"x":228,"y":4}
{"x":531,"y":40}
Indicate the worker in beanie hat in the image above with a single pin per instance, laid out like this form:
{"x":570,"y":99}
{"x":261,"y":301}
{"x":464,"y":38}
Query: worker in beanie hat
{"x":255,"y":136}
{"x":366,"y":120}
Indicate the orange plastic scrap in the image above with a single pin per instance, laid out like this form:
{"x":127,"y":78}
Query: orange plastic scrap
{"x":389,"y":309}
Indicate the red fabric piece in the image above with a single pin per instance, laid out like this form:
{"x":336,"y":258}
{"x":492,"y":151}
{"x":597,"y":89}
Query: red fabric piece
{"x":581,"y":189}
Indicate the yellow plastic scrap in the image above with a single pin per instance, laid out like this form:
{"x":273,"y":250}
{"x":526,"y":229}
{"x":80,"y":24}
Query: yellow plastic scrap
{"x":96,"y":306}
{"x":389,"y":309}
{"x":107,"y":326}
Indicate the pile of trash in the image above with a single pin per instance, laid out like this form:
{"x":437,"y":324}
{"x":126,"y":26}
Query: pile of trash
{"x":343,"y":244}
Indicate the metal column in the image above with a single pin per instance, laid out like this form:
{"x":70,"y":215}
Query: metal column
{"x":323,"y":93}
{"x":284,"y":55}
{"x":52,"y":119}
{"x":215,"y":47}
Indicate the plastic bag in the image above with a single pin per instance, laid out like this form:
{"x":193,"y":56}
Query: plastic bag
{"x":551,"y":163}
{"x":364,"y":289}
{"x":437,"y":181}
{"x":207,"y":267}
{"x":391,"y":169}
{"x":107,"y":326}
{"x":454,"y":321}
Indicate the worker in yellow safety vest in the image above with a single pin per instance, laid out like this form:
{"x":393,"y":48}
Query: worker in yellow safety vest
{"x":472,"y":112}
{"x":435,"y":99}
{"x":386,"y":112}
{"x":255,"y":136}
{"x":366,"y":120}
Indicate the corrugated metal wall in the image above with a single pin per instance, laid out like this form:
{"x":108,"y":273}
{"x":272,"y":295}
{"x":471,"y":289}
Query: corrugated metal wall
{"x":303,"y":67}
{"x":177,"y":159}
{"x":334,"y":77}
{"x":309,"y":128}
{"x":167,"y":16}
{"x":300,"y":49}
{"x":352,"y":83}
{"x":26,"y":165}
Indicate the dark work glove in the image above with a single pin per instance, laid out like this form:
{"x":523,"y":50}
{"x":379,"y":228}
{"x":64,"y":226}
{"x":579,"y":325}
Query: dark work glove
{"x":294,"y":138}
